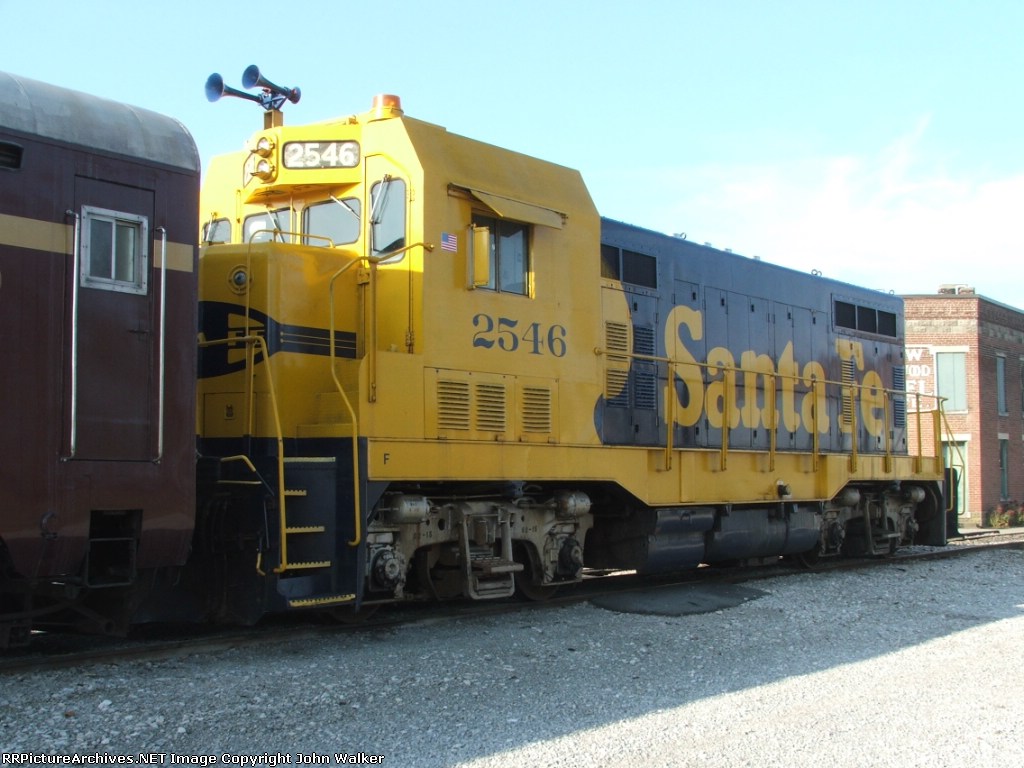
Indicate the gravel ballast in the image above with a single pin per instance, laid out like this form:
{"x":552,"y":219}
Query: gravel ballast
{"x":911,"y":664}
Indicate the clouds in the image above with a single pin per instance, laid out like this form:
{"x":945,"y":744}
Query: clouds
{"x":893,"y":218}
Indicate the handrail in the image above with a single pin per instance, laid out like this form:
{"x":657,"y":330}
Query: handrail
{"x":162,"y":378}
{"x":770,"y":393}
{"x":888,"y":437}
{"x":252,"y":341}
{"x":773,"y":417}
{"x":730,"y":384}
{"x":357,"y":501}
{"x":815,"y":424}
{"x":75,"y":279}
{"x":941,"y":426}
{"x":373,"y":261}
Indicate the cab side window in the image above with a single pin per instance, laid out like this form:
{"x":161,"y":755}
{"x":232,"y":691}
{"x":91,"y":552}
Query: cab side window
{"x":387,"y":216}
{"x":509,"y":255}
{"x":217,"y":231}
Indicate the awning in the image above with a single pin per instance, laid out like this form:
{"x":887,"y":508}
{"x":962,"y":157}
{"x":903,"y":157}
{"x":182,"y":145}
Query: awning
{"x":508,"y":208}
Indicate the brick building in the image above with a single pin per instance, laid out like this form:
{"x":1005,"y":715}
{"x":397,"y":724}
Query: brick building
{"x":970,"y":350}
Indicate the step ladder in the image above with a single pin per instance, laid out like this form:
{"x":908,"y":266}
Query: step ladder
{"x":487,"y":576}
{"x":309,"y":538}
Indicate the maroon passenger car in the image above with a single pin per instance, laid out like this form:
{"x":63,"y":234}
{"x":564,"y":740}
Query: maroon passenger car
{"x":98,"y":229}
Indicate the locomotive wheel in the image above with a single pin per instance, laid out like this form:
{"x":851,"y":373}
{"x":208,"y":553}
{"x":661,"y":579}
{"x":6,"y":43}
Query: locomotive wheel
{"x":349,"y":616}
{"x":808,"y":559}
{"x":536,"y":593}
{"x":526,"y":586}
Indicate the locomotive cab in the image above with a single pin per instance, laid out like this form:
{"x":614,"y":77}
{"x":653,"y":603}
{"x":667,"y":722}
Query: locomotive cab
{"x":384,"y":304}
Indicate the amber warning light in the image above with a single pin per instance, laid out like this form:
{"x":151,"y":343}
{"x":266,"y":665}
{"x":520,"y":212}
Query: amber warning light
{"x":386,"y":105}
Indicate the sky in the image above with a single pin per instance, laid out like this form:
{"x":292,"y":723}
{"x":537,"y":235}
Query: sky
{"x":878,"y":142}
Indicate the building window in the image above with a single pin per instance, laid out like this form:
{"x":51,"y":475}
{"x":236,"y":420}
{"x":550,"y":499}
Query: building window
{"x":951,"y":379}
{"x":509,"y":258}
{"x":1004,"y":469}
{"x":114,"y":255}
{"x":1001,"y":385}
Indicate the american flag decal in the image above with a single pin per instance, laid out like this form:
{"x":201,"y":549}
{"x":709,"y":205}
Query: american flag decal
{"x":449,"y":241}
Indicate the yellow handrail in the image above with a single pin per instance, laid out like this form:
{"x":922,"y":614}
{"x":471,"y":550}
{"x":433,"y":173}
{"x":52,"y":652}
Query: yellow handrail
{"x":357,"y":513}
{"x":250,"y":342}
{"x":730,"y":373}
{"x":373,"y":261}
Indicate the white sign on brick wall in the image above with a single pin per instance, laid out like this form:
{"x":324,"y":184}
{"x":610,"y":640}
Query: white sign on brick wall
{"x":920,"y":374}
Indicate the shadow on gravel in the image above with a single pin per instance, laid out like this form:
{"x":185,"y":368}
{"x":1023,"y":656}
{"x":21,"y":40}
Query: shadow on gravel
{"x":681,"y":600}
{"x":493,"y":685}
{"x":440,"y":692}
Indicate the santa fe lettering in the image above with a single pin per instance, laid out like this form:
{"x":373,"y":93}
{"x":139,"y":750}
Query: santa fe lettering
{"x":721,"y":394}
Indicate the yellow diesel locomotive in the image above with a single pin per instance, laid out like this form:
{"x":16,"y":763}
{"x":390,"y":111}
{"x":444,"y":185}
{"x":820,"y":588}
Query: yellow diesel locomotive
{"x":429,"y":368}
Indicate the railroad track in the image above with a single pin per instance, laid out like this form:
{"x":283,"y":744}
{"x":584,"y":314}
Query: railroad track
{"x":58,"y":650}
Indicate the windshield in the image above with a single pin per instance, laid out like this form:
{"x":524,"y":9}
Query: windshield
{"x":336,"y":218}
{"x":268,"y":220}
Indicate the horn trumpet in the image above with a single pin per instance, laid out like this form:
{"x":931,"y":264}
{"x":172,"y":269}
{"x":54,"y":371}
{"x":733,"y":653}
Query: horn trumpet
{"x":272,"y":97}
{"x":252,"y":78}
{"x":215,"y":89}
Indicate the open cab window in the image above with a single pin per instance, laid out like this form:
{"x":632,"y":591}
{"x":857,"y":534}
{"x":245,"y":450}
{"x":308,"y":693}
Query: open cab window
{"x":508,"y":257}
{"x":387,"y":216}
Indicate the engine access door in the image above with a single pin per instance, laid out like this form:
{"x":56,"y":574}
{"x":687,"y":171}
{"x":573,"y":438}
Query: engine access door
{"x":114,"y":347}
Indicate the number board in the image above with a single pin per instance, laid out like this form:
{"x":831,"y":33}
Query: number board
{"x":321,"y":154}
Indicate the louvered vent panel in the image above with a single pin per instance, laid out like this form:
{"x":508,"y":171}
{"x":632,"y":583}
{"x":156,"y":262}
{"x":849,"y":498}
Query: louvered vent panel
{"x":452,"y":404}
{"x":645,"y":392}
{"x":616,"y":381}
{"x":849,"y":378}
{"x":616,"y":387}
{"x":616,"y":337}
{"x":899,"y":403}
{"x":490,"y":407}
{"x":643,"y":340}
{"x":536,"y":410}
